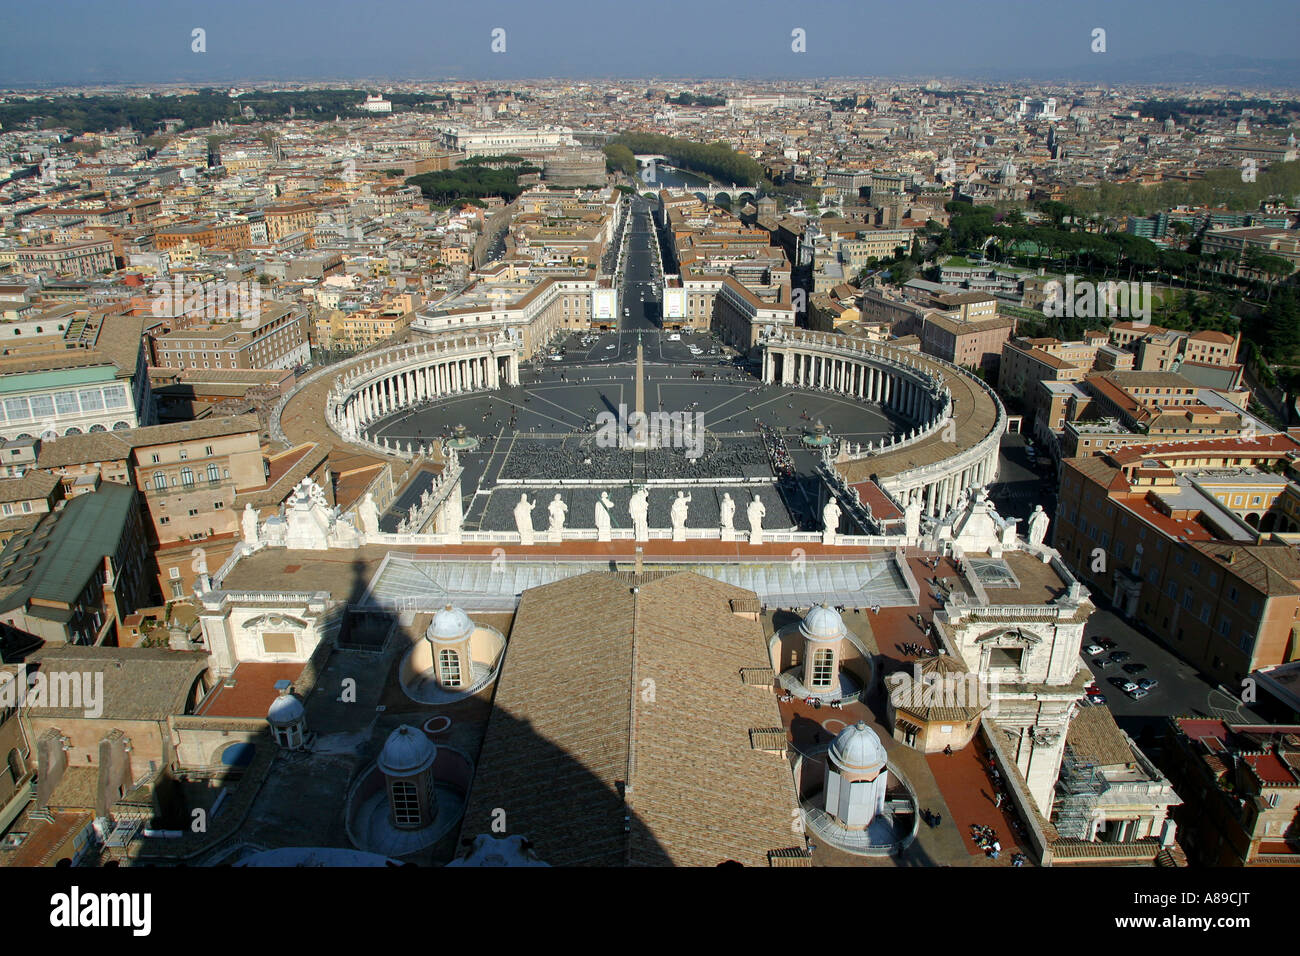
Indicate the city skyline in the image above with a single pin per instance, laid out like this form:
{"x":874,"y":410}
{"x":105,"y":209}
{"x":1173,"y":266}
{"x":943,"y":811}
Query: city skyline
{"x":152,"y":43}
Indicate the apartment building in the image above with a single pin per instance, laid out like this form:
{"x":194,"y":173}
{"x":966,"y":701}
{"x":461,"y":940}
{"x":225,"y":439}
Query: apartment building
{"x":1158,"y":349}
{"x":228,"y":235}
{"x":92,"y":378}
{"x":1241,"y":789}
{"x":277,"y":339}
{"x":1174,"y":536}
{"x":361,"y":328}
{"x":79,"y":571}
{"x":282,"y":221}
{"x":64,"y":258}
{"x":1283,"y":243}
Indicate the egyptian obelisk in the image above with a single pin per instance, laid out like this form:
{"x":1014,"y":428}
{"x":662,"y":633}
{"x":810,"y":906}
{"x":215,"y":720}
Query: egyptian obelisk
{"x":640,"y":423}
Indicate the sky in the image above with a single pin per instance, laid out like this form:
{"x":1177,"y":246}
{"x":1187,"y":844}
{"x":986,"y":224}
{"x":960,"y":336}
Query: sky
{"x":72,"y":42}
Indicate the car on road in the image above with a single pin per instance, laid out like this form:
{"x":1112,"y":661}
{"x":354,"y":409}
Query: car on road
{"x":1094,"y":649}
{"x":1137,"y":693}
{"x":610,"y":348}
{"x":1119,"y":657}
{"x":1148,"y":683}
{"x":1134,"y":668}
{"x":557,"y":358}
{"x":674,"y":337}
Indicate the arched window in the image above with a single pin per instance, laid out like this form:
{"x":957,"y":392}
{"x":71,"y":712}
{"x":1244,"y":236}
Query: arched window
{"x":187,"y":476}
{"x":449,"y":668}
{"x":159,"y":481}
{"x":822,"y":667}
{"x":214,"y":474}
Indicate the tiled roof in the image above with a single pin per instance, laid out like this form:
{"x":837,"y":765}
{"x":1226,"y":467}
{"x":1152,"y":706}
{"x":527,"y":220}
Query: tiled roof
{"x":608,"y":690}
{"x":138,"y":683}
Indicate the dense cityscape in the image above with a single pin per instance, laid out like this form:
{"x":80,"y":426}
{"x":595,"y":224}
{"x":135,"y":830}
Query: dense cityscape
{"x":918,"y":466}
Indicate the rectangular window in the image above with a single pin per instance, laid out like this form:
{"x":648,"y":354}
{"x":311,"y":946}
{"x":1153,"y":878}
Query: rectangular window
{"x":42,"y":406}
{"x":66,"y":403}
{"x":16,"y":409}
{"x":92,"y":400}
{"x":115,"y":397}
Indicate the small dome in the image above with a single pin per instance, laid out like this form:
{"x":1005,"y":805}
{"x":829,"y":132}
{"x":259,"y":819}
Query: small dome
{"x":858,"y":748}
{"x":285,"y":711}
{"x":449,"y":624}
{"x":822,"y":623}
{"x":407,"y":752}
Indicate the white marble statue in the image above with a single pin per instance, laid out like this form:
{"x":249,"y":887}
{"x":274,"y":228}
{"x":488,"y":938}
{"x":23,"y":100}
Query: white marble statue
{"x":604,"y":508}
{"x":639,"y":509}
{"x":912,"y":518}
{"x":369,"y":513}
{"x":678,"y":515}
{"x":250,"y":525}
{"x":830,"y":521}
{"x":756,"y":512}
{"x":524,"y":519}
{"x":558,"y":510}
{"x":728,"y":511}
{"x":1038,"y":522}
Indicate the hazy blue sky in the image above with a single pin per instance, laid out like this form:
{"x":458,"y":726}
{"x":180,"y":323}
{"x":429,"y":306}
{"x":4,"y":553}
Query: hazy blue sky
{"x":99,"y":41}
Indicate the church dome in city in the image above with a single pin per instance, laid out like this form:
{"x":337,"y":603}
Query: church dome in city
{"x":407,"y":752}
{"x":449,"y":624}
{"x":285,"y":711}
{"x":858,"y":748}
{"x":822,"y":623}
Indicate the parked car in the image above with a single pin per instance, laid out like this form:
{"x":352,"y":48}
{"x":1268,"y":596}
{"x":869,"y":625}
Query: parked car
{"x":1134,"y":668}
{"x":1107,"y":643}
{"x":1094,"y":649}
{"x":1148,"y":683}
{"x":1119,"y":657}
{"x":1124,"y":684}
{"x":1102,"y":662}
{"x":1096,"y":698}
{"x":1137,"y":693}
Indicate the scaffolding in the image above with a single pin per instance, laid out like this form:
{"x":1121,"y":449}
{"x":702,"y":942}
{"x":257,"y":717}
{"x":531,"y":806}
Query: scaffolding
{"x":1078,"y":788}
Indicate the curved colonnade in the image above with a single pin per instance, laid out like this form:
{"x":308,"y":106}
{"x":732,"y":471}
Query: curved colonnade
{"x":954,"y":445}
{"x":958,"y":419}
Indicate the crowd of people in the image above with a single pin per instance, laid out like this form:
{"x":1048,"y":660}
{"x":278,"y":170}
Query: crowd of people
{"x":913,"y":649}
{"x":777,"y":451}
